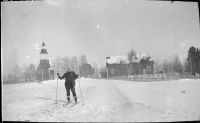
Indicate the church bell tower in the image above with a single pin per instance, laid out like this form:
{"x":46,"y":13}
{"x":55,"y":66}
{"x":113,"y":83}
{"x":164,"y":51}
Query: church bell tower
{"x":44,"y":70}
{"x":44,"y":55}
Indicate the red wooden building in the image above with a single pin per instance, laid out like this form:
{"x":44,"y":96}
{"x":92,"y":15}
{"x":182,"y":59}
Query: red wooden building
{"x":120,"y":66}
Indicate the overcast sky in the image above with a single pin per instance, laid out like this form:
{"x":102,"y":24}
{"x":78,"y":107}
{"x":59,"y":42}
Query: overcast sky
{"x":96,"y":28}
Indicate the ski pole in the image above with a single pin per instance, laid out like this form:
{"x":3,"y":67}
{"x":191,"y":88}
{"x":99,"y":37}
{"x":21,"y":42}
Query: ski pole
{"x":80,"y":90}
{"x":56,"y":90}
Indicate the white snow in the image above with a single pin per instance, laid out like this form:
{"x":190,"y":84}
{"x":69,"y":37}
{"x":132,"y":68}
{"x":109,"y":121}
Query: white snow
{"x":104,"y":101}
{"x":116,"y":59}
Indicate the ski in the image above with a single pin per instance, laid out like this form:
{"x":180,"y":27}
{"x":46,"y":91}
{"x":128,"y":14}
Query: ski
{"x":75,"y":104}
{"x":67,"y":103}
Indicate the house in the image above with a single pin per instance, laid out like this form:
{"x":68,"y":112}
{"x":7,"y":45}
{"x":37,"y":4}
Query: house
{"x":44,"y":70}
{"x":120,"y":65}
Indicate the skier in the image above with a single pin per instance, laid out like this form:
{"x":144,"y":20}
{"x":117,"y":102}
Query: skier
{"x":70,"y":78}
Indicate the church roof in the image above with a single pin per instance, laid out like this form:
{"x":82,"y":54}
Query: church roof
{"x":43,"y":51}
{"x":44,"y":66}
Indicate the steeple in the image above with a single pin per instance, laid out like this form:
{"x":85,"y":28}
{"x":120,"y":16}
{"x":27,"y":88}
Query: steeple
{"x":43,"y":44}
{"x":44,"y":61}
{"x":43,"y":50}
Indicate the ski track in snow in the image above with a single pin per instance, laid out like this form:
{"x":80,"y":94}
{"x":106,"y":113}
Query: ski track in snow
{"x":104,"y":101}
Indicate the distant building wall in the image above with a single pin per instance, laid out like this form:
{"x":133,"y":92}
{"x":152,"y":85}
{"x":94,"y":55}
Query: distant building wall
{"x":103,"y":74}
{"x":39,"y":75}
{"x":135,"y":69}
{"x":46,"y":74}
{"x":120,"y":65}
{"x":117,"y":69}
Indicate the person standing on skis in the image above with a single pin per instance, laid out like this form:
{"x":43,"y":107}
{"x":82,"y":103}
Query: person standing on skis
{"x":70,"y":78}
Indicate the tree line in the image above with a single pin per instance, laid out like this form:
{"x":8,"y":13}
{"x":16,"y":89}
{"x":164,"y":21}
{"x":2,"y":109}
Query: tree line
{"x":173,"y":64}
{"x":27,"y":73}
{"x":20,"y":73}
{"x":77,"y":64}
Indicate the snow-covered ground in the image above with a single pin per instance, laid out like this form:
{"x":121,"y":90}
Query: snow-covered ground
{"x":104,"y":100}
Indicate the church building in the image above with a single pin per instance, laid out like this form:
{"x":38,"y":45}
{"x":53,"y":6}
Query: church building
{"x":44,"y":70}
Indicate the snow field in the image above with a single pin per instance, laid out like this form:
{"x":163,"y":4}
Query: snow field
{"x":104,"y":101}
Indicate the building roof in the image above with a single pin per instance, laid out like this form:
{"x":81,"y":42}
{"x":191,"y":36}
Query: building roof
{"x":117,"y":59}
{"x":43,"y":66}
{"x":43,"y":51}
{"x":124,"y":59}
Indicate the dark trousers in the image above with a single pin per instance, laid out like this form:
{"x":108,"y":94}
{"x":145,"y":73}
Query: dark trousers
{"x":70,"y":86}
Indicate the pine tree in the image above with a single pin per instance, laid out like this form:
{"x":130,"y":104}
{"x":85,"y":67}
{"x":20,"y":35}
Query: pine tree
{"x":194,"y":60}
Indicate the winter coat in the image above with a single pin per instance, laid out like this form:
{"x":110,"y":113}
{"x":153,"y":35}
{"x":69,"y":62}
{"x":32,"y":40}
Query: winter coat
{"x":70,"y":77}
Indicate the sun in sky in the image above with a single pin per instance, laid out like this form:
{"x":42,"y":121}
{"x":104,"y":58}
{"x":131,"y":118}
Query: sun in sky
{"x":98,"y":26}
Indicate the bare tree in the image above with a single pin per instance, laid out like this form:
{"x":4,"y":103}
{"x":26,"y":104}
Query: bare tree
{"x":10,"y":78}
{"x":171,"y":70}
{"x":177,"y":65}
{"x":82,"y":60}
{"x":158,"y":65}
{"x":31,"y":71}
{"x":186,"y":65}
{"x":74,"y":63}
{"x":57,"y":65}
{"x":17,"y":72}
{"x":172,"y":65}
{"x":166,"y":66}
{"x":25,"y":72}
{"x":131,"y":56}
{"x":66,"y":63}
